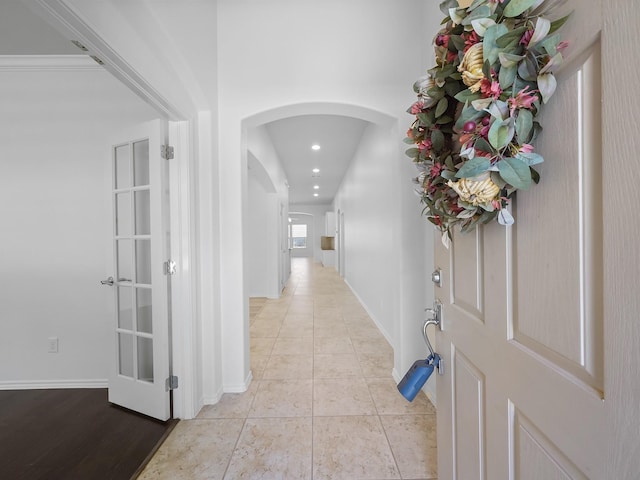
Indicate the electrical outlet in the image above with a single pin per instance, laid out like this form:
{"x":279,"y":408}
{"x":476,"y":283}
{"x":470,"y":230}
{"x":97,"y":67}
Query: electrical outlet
{"x":53,"y":344}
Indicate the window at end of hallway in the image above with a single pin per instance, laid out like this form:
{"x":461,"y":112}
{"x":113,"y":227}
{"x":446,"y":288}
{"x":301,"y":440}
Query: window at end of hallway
{"x":298,"y":235}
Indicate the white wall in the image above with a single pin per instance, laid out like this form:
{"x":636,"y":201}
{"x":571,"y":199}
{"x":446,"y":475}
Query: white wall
{"x":55,"y":223}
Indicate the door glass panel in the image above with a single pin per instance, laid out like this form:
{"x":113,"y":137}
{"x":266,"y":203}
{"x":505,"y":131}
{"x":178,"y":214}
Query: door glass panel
{"x":145,"y":359}
{"x":143,"y":305}
{"x":143,"y":211}
{"x":143,"y":261}
{"x":123,"y":214}
{"x":123,"y":170}
{"x":125,"y":310}
{"x":141,"y":163}
{"x":125,"y":354}
{"x":125,"y":256}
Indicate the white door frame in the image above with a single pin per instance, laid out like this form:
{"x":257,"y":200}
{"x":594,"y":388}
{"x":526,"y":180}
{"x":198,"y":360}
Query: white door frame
{"x":187,"y":401}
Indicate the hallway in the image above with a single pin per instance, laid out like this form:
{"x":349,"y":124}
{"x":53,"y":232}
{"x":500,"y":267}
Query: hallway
{"x":322,"y":404}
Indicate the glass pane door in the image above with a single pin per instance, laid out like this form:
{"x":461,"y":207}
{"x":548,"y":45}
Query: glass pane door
{"x":133,"y":261}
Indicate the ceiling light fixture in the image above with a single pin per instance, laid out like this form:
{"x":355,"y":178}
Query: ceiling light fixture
{"x":315,"y":146}
{"x":316,"y":187}
{"x":316,"y":194}
{"x":316,"y":170}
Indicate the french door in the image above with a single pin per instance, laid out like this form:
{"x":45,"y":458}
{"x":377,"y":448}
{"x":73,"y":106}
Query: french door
{"x":139,"y":195}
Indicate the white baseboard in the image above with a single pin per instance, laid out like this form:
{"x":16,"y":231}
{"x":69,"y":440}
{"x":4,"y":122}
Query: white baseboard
{"x":238,"y":387}
{"x":52,"y":384}
{"x":385,"y":334}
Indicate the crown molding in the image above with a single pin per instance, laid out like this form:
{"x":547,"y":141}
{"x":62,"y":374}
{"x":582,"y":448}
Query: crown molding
{"x":27,"y":63}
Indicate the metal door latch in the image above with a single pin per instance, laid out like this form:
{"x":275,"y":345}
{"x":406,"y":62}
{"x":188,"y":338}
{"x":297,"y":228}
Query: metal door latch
{"x":434,"y":317}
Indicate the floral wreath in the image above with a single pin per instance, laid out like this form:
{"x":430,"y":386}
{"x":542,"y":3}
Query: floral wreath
{"x":476,"y":109}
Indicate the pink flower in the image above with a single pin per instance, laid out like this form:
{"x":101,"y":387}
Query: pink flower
{"x":435,"y":170}
{"x":523,"y":99}
{"x":526,"y":38}
{"x":443,"y":40}
{"x":526,"y":148}
{"x":417,"y":107}
{"x":490,"y":88}
{"x":562,"y":45}
{"x":471,"y":40}
{"x":410,"y":133}
{"x":424,"y":145}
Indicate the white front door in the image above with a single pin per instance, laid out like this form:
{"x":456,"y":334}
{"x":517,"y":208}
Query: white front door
{"x":523,"y":394}
{"x":140,"y":241}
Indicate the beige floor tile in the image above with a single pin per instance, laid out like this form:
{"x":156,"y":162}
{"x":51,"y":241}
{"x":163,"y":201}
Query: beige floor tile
{"x":262,"y":346}
{"x":196,"y":449}
{"x":289,"y":367}
{"x":389,"y":401}
{"x":340,"y":396}
{"x":368,"y":331}
{"x":265,"y":328}
{"x":231,"y":405}
{"x":413,"y":443}
{"x":273,"y":448}
{"x":258,"y":364}
{"x":337,"y":330}
{"x":371,"y":345}
{"x":332,"y":345}
{"x":350,"y":448}
{"x":337,"y":365}
{"x":376,"y":364}
{"x":291,"y":329}
{"x":293,"y":346}
{"x":283,"y":398}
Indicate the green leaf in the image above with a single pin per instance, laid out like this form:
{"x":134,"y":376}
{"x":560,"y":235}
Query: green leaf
{"x":547,"y":86}
{"x":426,"y":119}
{"x":499,"y":134}
{"x":515,"y":172}
{"x":457,"y":42}
{"x":524,"y":125}
{"x":474,"y":167}
{"x":480,"y":12}
{"x":442,"y":106}
{"x":468,"y":113}
{"x":507,"y":38}
{"x":490,"y":48}
{"x":555,"y":25}
{"x":453,"y":88}
{"x":482,"y":145}
{"x":467,"y":95}
{"x":507,"y":76}
{"x":480,"y":25}
{"x":412,"y":152}
{"x":516,"y":7}
{"x":541,"y":31}
{"x":535,"y":176}
{"x":509,"y":59}
{"x":530,"y":158}
{"x":408,"y":141}
{"x":437,"y":140}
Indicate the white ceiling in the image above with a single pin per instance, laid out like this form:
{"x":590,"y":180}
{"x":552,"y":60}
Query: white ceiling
{"x":338,"y":137}
{"x":22,"y":32}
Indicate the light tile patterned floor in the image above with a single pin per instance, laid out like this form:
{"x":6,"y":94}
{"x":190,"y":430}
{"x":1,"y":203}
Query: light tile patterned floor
{"x":322,"y":405}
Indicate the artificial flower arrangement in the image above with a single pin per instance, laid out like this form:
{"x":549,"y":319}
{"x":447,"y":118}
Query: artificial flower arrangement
{"x":476,"y":109}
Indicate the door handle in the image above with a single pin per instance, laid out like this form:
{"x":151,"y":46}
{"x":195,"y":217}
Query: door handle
{"x":108,"y":281}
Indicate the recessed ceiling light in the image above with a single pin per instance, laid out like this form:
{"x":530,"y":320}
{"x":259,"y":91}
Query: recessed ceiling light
{"x":316,"y":194}
{"x":315,"y":170}
{"x":316,"y":187}
{"x":315,"y":146}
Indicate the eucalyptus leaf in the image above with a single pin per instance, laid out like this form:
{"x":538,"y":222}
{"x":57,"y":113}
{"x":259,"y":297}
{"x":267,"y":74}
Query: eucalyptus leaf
{"x":474,"y":167}
{"x":480,"y":25}
{"x":509,"y":59}
{"x":442,"y":106}
{"x":547,"y":86}
{"x":516,"y":7}
{"x":551,"y":64}
{"x":530,"y":158}
{"x":466,"y":95}
{"x":535,"y":176}
{"x":447,"y":174}
{"x":556,"y":24}
{"x":499,"y":134}
{"x":480,"y":12}
{"x":524,"y":125}
{"x":505,"y":218}
{"x":426,"y":119}
{"x":515,"y":172}
{"x":515,"y":34}
{"x":412,"y":152}
{"x":447,"y":4}
{"x":457,"y":42}
{"x":475,"y":5}
{"x":482,"y":145}
{"x":507,"y":76}
{"x":468,"y":113}
{"x":408,"y":141}
{"x":541,"y":31}
{"x":550,"y":44}
{"x":437,"y":140}
{"x":527,"y":70}
{"x":490,"y":48}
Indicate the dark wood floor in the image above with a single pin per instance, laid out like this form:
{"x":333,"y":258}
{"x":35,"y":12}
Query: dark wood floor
{"x":72,"y":434}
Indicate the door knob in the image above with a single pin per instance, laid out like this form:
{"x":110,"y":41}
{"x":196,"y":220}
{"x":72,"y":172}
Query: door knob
{"x":108,"y":281}
{"x":436,"y":277}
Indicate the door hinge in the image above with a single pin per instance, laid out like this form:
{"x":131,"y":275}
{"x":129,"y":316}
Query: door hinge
{"x":171,"y":382}
{"x":170,"y":267}
{"x":166,"y":152}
